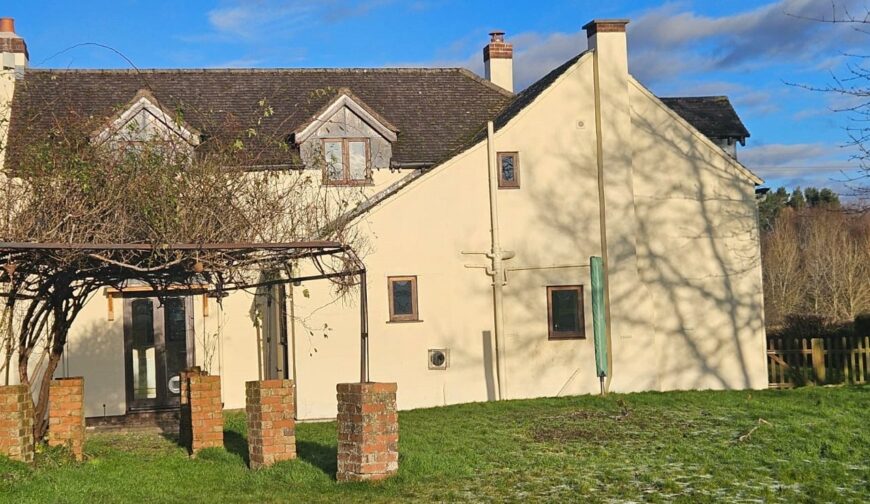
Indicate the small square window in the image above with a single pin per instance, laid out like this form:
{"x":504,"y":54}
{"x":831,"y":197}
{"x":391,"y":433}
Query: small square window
{"x":403,"y":298}
{"x":346,"y":161}
{"x":565,"y":312}
{"x":508,"y":170}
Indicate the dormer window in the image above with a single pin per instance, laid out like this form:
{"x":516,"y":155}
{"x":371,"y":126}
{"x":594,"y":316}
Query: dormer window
{"x":346,"y":161}
{"x":347,"y":140}
{"x":145,"y":122}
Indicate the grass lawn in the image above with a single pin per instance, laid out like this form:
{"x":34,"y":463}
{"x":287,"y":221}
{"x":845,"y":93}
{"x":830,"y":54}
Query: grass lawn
{"x":805,"y":445}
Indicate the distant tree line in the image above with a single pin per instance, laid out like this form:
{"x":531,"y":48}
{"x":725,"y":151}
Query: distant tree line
{"x":816,"y":257}
{"x":773,"y":203}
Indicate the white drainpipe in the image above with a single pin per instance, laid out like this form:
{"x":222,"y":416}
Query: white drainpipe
{"x":497,"y":255}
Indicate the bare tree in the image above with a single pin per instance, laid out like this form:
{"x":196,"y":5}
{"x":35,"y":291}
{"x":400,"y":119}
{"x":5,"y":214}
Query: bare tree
{"x":781,"y":267}
{"x":152,"y":189}
{"x":853,"y":84}
{"x":817,"y":262}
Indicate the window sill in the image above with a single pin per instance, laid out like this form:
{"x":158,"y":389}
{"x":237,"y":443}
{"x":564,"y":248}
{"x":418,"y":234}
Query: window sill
{"x":416,"y":321}
{"x":567,"y":337}
{"x":366,"y":183}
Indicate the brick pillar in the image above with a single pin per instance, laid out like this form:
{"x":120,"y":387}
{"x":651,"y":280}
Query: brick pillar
{"x":368,"y":431}
{"x":16,"y":423}
{"x":271,"y":422}
{"x":203,"y":424}
{"x":66,"y":415}
{"x":184,"y":436}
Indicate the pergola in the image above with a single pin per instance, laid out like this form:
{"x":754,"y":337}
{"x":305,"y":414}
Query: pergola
{"x":181,"y":268}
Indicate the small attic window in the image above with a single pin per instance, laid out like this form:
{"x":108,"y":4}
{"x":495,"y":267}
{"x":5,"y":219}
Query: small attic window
{"x":508,"y":170}
{"x":347,"y":161}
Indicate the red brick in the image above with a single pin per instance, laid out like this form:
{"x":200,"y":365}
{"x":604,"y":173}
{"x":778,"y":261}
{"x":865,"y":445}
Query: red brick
{"x":16,"y":430}
{"x":201,"y":411}
{"x":66,"y":418}
{"x":367,"y":431}
{"x":270,"y":413}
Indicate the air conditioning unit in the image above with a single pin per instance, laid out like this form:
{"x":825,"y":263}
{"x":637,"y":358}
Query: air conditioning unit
{"x":439,"y":358}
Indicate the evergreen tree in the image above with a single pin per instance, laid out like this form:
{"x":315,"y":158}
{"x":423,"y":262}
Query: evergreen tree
{"x":770,"y":206}
{"x":797,"y":200}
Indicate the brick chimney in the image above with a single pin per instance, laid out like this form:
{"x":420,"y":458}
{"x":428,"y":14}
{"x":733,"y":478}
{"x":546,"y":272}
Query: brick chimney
{"x":498,"y":59}
{"x":13,"y":49}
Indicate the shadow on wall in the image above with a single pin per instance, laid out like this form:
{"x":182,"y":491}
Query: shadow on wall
{"x":697,"y":256}
{"x":96,"y":352}
{"x":698,"y":245}
{"x":488,"y":371}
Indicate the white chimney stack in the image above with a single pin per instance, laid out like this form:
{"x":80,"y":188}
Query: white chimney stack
{"x":498,"y":59}
{"x":13,"y":50}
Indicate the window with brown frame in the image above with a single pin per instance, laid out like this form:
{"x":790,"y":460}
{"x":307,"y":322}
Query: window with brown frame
{"x":508,"y":170}
{"x":565,"y":312}
{"x":403,"y":298}
{"x":346,"y":161}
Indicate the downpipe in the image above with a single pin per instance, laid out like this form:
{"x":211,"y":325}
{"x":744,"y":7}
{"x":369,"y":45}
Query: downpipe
{"x":496,"y":269}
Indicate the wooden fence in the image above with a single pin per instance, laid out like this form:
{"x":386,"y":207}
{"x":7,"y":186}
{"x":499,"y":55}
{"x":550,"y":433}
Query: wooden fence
{"x":794,"y":361}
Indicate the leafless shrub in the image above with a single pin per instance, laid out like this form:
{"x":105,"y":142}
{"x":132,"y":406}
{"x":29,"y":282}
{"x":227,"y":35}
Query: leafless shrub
{"x":148,"y":188}
{"x":817,"y":263}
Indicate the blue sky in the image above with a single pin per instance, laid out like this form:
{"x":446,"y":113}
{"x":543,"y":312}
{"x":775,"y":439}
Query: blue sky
{"x":749,"y":51}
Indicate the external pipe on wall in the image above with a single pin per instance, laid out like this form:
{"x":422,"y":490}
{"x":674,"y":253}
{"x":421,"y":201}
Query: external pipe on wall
{"x":602,"y":218}
{"x":496,"y":256}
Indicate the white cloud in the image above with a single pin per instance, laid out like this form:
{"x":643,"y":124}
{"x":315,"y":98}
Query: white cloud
{"x":665,"y":38}
{"x":778,"y":155}
{"x":801,"y":165}
{"x":805,"y":165}
{"x":668,"y":42}
{"x":260,"y":19}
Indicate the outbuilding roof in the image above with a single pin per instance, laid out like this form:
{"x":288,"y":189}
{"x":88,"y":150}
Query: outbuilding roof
{"x":711,"y":115}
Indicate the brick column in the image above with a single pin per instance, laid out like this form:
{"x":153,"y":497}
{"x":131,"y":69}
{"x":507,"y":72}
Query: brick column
{"x":16,"y":423}
{"x":368,"y":431}
{"x":184,"y":438}
{"x":66,"y":415}
{"x":271,"y":421}
{"x":202,"y":419}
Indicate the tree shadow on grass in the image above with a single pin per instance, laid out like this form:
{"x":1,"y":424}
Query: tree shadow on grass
{"x":322,"y":456}
{"x":237,"y":444}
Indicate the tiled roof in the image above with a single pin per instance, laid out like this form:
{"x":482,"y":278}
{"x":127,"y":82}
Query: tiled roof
{"x":711,"y":115}
{"x":435,"y":110}
{"x":438,"y":112}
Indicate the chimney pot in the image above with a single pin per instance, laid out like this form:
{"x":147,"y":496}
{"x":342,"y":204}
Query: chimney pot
{"x":496,"y":36}
{"x":7,"y":25}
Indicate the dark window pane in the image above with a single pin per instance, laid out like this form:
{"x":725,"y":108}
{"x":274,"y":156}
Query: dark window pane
{"x":175,"y":320}
{"x":402,"y":298}
{"x":175,"y":324}
{"x":565,"y":316}
{"x":143,"y":323}
{"x":508,"y":174}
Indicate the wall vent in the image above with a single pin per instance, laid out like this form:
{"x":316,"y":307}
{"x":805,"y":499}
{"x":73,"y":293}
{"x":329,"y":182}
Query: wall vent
{"x":439,"y":358}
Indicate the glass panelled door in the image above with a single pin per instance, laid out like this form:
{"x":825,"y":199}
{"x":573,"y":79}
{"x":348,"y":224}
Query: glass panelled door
{"x":158,"y":343}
